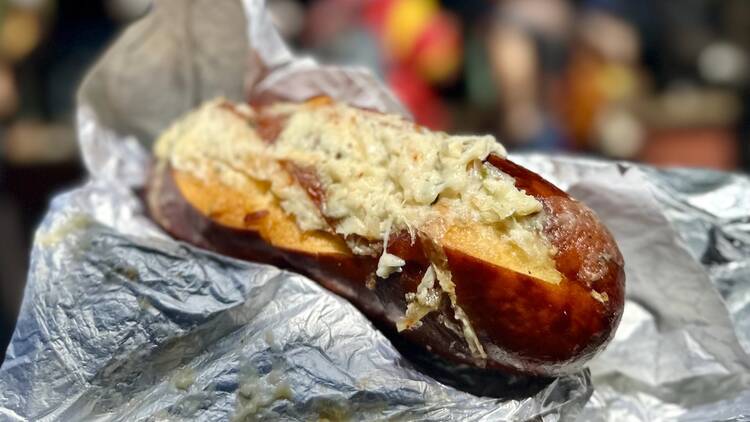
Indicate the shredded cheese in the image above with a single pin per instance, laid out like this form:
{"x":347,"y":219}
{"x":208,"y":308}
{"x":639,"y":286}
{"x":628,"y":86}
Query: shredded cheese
{"x":381,"y":170}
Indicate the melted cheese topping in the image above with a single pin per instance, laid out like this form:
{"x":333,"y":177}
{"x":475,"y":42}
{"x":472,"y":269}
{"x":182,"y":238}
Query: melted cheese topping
{"x":378,"y":174}
{"x":381,"y":171}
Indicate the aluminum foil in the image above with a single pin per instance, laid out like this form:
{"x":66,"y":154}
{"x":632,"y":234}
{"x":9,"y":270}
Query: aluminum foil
{"x":120,"y":322}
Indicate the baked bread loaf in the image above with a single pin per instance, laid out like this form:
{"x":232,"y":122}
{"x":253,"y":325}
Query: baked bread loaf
{"x":440,"y":237}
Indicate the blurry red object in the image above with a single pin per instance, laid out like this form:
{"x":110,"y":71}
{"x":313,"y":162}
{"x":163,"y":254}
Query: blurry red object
{"x":708,"y":147}
{"x":422,"y":46}
{"x":437,"y":51}
{"x":417,"y":34}
{"x":419,"y":98}
{"x":374,"y":13}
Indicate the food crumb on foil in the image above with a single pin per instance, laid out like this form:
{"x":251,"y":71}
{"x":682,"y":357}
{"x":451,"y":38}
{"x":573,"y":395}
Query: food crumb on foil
{"x":258,"y":392}
{"x":184,"y":378}
{"x":53,"y":236}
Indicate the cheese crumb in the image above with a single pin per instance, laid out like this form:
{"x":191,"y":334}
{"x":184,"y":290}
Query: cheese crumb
{"x":421,"y":303}
{"x":603,"y":298}
{"x":389,"y":264}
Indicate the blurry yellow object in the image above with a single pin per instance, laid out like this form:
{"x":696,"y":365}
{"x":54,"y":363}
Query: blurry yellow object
{"x":20,"y":32}
{"x":438,"y":53}
{"x":619,"y":133}
{"x":618,"y":82}
{"x":404,"y":22}
{"x":593,"y":84}
{"x":439,"y":62}
{"x":583,"y":96}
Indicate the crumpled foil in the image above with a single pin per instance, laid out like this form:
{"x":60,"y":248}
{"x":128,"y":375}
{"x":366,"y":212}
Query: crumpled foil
{"x":120,"y":322}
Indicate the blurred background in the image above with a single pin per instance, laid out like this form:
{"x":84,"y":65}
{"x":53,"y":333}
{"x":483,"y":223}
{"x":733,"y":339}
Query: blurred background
{"x":656,"y":81}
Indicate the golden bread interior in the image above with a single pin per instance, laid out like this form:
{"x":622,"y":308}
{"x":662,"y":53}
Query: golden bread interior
{"x":255,"y":209}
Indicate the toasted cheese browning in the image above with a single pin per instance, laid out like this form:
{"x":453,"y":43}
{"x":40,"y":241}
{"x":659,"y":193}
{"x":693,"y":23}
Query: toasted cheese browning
{"x":374,"y":175}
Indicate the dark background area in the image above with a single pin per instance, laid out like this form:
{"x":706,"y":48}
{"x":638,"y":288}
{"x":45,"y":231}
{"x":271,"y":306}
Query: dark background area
{"x":660,"y":81}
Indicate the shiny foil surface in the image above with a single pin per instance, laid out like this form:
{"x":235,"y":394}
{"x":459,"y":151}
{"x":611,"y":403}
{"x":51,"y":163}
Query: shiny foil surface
{"x":120,"y":322}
